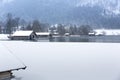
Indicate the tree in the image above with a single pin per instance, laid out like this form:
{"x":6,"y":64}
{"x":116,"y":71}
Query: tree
{"x":36,"y":26}
{"x":29,"y":27}
{"x":0,"y":29}
{"x":23,"y":23}
{"x":84,"y":29}
{"x":16,"y":21}
{"x":44,"y":27}
{"x":73,"y":30}
{"x":9,"y":23}
{"x":52,"y":29}
{"x":61,"y":29}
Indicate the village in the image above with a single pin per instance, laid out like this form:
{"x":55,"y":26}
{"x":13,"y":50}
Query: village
{"x":31,"y":35}
{"x":16,"y":28}
{"x":57,"y":30}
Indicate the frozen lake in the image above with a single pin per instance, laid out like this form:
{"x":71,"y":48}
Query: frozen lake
{"x":66,"y":61}
{"x":111,"y":39}
{"x":75,"y":38}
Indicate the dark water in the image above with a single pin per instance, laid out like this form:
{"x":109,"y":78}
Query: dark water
{"x":114,"y":39}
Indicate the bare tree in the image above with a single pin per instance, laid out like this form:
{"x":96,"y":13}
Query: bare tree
{"x":61,"y":29}
{"x":9,"y":23}
{"x":84,"y":29}
{"x":23,"y":23}
{"x":0,"y":29}
{"x":29,"y":26}
{"x":36,"y":26}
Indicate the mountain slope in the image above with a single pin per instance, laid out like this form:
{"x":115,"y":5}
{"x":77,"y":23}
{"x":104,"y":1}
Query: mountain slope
{"x":98,"y":13}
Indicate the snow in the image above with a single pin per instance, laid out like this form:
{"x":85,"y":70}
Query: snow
{"x":22,"y":33}
{"x":67,"y":61}
{"x":3,"y":36}
{"x":42,"y":33}
{"x":107,"y":31}
{"x":7,"y":60}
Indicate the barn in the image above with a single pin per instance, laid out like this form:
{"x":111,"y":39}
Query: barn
{"x":23,"y":35}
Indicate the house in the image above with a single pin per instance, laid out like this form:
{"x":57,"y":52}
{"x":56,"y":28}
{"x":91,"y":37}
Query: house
{"x":8,"y":63}
{"x":91,"y":33}
{"x":23,"y":35}
{"x":67,"y":34}
{"x":43,"y":34}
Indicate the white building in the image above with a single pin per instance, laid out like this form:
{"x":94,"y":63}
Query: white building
{"x":23,"y":35}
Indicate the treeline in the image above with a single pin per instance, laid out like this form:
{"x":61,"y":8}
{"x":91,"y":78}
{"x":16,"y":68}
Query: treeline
{"x":12,"y":24}
{"x":72,"y":29}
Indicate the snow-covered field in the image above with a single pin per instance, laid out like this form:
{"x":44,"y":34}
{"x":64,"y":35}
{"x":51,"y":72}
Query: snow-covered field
{"x":66,"y":61}
{"x":3,"y":37}
{"x":107,"y":32}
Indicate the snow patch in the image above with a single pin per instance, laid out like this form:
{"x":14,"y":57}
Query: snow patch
{"x":4,"y":36}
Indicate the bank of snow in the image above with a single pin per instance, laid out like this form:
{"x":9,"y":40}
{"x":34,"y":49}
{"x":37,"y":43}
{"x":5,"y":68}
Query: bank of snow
{"x":67,"y":61}
{"x":3,"y":36}
{"x":107,"y":31}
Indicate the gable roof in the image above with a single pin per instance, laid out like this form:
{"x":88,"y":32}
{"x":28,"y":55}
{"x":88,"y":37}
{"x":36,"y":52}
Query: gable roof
{"x":22,"y":33}
{"x":7,"y":60}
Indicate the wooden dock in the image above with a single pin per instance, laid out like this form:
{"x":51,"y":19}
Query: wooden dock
{"x":5,"y":75}
{"x":8,"y":73}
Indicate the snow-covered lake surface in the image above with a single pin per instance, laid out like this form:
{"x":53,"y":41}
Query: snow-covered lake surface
{"x":7,"y":60}
{"x":66,"y":61}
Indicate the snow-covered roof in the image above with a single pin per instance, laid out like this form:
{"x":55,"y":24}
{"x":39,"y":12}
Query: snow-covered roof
{"x":7,"y":60}
{"x":42,"y":33}
{"x":22,"y":33}
{"x":91,"y":33}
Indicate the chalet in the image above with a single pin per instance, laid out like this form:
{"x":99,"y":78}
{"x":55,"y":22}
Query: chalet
{"x":23,"y":35}
{"x":8,"y":64}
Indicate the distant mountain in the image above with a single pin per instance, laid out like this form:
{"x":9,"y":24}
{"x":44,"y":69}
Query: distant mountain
{"x":111,"y":7}
{"x":97,"y":13}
